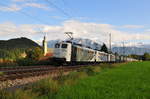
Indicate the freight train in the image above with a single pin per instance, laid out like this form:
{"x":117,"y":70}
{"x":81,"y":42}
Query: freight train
{"x":72,"y":53}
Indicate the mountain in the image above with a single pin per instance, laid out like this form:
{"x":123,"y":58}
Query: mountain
{"x":83,"y":42}
{"x":52,"y":43}
{"x":17,"y":43}
{"x":139,"y":49}
{"x":88,"y":43}
{"x":145,"y":46}
{"x":131,"y":50}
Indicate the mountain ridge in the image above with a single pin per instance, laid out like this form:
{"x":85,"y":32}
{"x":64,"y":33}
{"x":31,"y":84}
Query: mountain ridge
{"x":84,"y":42}
{"x":139,"y":50}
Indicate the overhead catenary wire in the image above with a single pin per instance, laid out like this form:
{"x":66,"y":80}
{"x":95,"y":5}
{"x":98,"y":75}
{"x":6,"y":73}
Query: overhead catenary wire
{"x":63,"y":2}
{"x":73,"y":11}
{"x":61,"y":10}
{"x":26,"y":14}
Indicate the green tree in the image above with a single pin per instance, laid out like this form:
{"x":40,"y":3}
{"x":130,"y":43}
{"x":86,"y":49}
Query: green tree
{"x":146,"y":56}
{"x":12,"y":54}
{"x":104,"y":48}
{"x":34,"y":53}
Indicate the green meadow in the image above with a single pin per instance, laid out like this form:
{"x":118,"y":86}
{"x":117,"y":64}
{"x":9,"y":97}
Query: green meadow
{"x":117,"y":81}
{"x":128,"y":81}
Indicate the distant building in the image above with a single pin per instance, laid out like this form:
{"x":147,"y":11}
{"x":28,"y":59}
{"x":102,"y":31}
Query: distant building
{"x":44,"y":46}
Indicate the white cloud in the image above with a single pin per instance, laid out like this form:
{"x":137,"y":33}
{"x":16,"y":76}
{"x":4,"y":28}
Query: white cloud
{"x":11,"y":8}
{"x":58,"y":17}
{"x":17,"y":7}
{"x":93,"y":31}
{"x":36,"y":5}
{"x":133,"y":26}
{"x":11,"y":30}
{"x":20,"y":0}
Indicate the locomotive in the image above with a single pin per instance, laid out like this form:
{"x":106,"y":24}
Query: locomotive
{"x":72,"y":53}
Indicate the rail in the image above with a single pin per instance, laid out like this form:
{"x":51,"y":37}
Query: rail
{"x":22,"y":72}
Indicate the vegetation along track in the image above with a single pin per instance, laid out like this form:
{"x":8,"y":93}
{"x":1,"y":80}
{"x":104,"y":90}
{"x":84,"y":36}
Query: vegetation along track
{"x":23,"y":72}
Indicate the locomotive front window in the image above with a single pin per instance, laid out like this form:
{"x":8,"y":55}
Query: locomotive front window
{"x":57,"y":45}
{"x":64,"y":46}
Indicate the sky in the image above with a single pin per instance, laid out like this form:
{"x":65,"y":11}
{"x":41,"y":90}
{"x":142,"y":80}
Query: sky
{"x":127,"y":20}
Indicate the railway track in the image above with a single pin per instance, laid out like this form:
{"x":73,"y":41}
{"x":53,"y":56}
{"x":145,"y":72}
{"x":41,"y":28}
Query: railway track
{"x":24,"y":72}
{"x":23,"y":67}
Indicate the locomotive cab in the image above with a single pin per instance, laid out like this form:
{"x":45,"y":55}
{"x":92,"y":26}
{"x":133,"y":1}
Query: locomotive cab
{"x":62,"y":52}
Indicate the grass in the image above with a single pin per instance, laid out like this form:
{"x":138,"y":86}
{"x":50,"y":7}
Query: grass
{"x":72,"y":78}
{"x":130,"y":81}
{"x":122,"y":81}
{"x":45,"y":87}
{"x":1,"y":73}
{"x":18,"y":94}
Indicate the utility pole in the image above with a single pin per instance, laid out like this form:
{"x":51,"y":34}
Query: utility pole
{"x":110,"y":42}
{"x":109,"y":56}
{"x":123,"y":48}
{"x":123,"y":51}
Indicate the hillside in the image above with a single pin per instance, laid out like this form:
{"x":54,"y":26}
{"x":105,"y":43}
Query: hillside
{"x":14,"y":49}
{"x":16,"y":43}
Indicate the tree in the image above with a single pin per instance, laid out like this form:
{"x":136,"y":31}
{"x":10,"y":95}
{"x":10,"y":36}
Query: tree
{"x":34,"y":53}
{"x":146,"y":56}
{"x":104,"y":48}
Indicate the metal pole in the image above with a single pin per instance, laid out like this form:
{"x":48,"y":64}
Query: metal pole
{"x":110,"y":42}
{"x":123,"y":51}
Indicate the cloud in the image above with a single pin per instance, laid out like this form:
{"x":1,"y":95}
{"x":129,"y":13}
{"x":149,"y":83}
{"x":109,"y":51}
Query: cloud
{"x":10,"y":8}
{"x":36,"y":5}
{"x":58,"y":17}
{"x":93,"y":31}
{"x":20,"y":0}
{"x":17,"y":7}
{"x":10,"y":30}
{"x":133,"y":26}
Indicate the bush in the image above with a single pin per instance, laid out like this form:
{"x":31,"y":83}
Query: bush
{"x":76,"y":75}
{"x":106,"y":66}
{"x":4,"y":95}
{"x":8,"y":64}
{"x":26,"y":62}
{"x":45,"y":87}
{"x":18,"y":94}
{"x":1,"y":73}
{"x":89,"y":70}
{"x":146,"y":56}
{"x":34,"y":53}
{"x":97,"y":69}
{"x":73,"y":77}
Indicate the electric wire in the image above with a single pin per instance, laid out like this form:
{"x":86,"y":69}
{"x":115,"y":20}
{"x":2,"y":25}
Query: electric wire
{"x":26,"y":14}
{"x":61,"y":10}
